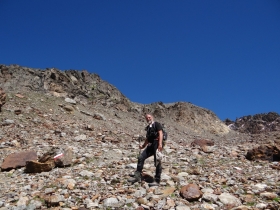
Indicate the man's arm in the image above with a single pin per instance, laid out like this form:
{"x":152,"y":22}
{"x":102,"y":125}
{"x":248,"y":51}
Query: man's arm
{"x":160,"y":136}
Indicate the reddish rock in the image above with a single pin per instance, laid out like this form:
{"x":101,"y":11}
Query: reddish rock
{"x":191,"y":192}
{"x":264,"y":152}
{"x":19,"y":96}
{"x":202,"y":142}
{"x":17,"y":160}
{"x":37,"y":167}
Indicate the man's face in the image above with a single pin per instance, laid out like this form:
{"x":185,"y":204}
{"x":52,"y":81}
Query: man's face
{"x":149,"y":118}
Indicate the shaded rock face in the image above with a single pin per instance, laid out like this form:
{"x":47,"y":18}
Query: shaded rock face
{"x":37,"y":167}
{"x":255,"y":124}
{"x":264,"y":152}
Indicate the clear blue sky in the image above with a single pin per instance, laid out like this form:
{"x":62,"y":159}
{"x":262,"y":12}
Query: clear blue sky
{"x":223,"y":55}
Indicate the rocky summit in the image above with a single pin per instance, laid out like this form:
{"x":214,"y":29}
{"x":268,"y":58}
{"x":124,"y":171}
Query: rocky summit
{"x":69,"y":140}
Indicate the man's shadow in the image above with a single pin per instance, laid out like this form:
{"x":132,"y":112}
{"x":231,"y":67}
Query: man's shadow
{"x":147,"y":178}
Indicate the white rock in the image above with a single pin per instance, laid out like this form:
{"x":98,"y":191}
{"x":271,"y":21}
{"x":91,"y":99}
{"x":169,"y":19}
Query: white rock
{"x":8,"y":122}
{"x":22,"y":201}
{"x":182,"y":207}
{"x":80,"y":137}
{"x":227,"y":198}
{"x":183,"y":174}
{"x":210,"y":197}
{"x":132,"y":165}
{"x":165,"y":177}
{"x":140,"y":193}
{"x":261,"y":205}
{"x":86,"y":173}
{"x":69,"y":100}
{"x":208,"y":206}
{"x":207,"y":190}
{"x":90,"y":203}
{"x":111,"y":202}
{"x":259,"y":187}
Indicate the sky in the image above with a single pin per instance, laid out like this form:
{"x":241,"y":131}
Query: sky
{"x":222,"y":55}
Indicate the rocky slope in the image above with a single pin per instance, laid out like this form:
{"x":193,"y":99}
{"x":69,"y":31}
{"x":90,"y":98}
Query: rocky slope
{"x":78,"y":110}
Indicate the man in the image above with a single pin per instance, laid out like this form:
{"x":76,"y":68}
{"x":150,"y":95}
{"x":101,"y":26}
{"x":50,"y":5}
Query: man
{"x":153,"y":142}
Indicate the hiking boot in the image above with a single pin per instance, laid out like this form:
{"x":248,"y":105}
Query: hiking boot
{"x":154,"y":184}
{"x":135,"y":178}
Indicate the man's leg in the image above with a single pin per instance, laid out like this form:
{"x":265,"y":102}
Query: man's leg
{"x":158,"y":172}
{"x":141,"y":159}
{"x":157,"y":165}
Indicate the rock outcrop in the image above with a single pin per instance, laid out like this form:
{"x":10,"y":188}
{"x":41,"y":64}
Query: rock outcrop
{"x":259,"y":123}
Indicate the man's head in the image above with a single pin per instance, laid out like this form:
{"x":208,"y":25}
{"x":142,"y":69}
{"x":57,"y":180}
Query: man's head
{"x":149,"y":118}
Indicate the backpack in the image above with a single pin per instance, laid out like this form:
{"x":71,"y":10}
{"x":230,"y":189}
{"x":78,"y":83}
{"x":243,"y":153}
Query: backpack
{"x":153,"y":133}
{"x":164,"y":133}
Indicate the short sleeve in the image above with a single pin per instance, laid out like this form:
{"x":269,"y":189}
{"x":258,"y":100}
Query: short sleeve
{"x":158,"y":126}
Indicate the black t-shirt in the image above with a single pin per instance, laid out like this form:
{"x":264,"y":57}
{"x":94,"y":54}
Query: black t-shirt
{"x":152,"y":131}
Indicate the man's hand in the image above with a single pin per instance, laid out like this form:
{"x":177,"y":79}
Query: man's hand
{"x":142,"y":146}
{"x":160,"y":147}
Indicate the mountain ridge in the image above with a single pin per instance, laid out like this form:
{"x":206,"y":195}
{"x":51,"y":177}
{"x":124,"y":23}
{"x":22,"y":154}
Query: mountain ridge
{"x":89,"y":88}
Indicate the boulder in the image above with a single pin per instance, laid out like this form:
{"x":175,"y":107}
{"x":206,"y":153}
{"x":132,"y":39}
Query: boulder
{"x":65,"y":159}
{"x":51,"y":159}
{"x":37,"y":167}
{"x":204,"y":144}
{"x":264,"y":152}
{"x":191,"y":192}
{"x":230,"y":200}
{"x":17,"y":160}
